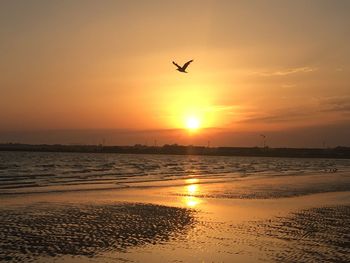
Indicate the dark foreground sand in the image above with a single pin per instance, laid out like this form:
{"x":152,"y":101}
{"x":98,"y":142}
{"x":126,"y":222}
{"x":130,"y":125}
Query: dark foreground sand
{"x":86,"y":230}
{"x":192,"y":222}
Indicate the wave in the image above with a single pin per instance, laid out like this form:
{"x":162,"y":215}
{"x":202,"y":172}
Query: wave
{"x":37,"y":172}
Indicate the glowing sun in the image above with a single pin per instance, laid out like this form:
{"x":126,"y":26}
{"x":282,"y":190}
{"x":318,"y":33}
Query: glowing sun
{"x":192,"y":123}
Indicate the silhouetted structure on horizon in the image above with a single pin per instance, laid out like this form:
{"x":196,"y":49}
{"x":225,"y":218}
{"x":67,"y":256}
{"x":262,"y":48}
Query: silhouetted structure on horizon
{"x":337,"y":152}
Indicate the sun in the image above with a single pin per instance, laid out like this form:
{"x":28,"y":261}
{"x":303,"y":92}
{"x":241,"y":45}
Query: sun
{"x":192,"y":123}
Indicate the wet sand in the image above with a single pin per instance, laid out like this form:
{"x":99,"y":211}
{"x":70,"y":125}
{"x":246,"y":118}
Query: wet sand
{"x":285,"y":219}
{"x":86,"y":230}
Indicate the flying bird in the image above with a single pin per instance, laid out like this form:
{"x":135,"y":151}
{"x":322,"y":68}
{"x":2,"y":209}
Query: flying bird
{"x":183,"y":68}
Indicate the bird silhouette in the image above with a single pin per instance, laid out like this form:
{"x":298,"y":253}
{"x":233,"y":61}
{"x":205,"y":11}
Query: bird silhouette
{"x":183,"y":68}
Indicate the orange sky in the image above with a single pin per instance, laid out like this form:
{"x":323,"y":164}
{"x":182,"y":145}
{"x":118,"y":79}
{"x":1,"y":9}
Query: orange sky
{"x":81,"y":71}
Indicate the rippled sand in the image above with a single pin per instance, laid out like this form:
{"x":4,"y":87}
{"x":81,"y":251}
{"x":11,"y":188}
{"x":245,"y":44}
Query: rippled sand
{"x":104,"y":232}
{"x":312,"y":235}
{"x":216,"y":230}
{"x":55,"y":230}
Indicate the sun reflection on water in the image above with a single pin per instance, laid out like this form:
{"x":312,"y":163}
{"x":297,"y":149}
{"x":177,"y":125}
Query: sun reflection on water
{"x":190,"y":191}
{"x":191,"y":181}
{"x":191,"y":201}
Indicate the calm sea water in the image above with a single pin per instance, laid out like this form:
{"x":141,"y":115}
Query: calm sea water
{"x":22,"y":172}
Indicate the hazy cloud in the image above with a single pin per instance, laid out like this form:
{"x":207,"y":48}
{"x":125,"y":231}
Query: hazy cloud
{"x":222,"y":107}
{"x":335,"y":104}
{"x":331,"y":105}
{"x":286,"y":86}
{"x":230,"y":109}
{"x":279,"y":115}
{"x":285,"y":72}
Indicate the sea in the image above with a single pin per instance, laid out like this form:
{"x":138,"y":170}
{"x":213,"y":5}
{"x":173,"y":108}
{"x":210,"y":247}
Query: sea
{"x":33,"y":172}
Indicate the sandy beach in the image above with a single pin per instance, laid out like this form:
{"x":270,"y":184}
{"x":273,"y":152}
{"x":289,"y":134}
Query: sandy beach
{"x":215,"y":218}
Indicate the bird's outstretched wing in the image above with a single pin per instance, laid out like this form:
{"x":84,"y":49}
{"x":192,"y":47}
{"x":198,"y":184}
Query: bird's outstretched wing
{"x":176,"y":65}
{"x":186,"y":64}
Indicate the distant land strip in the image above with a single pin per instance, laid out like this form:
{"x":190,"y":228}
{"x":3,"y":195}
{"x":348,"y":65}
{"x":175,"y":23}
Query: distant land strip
{"x":339,"y":152}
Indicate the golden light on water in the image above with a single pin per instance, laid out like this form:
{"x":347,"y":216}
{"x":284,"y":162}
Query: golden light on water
{"x":190,"y":191}
{"x":191,"y":201}
{"x":191,"y":181}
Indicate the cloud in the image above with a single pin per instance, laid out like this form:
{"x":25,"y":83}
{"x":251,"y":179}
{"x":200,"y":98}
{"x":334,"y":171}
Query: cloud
{"x":335,"y":104}
{"x":223,"y":108}
{"x":327,"y":107}
{"x":287,"y":86}
{"x":277,"y":116}
{"x":285,"y":72}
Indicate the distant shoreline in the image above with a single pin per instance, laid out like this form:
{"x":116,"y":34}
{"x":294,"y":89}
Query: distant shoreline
{"x":337,"y":152}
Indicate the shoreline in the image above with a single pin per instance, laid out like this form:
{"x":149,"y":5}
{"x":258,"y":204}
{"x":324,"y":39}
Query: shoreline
{"x":338,"y":182}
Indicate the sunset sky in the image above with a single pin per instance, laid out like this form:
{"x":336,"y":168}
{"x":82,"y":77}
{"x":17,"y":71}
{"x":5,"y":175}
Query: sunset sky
{"x":94,"y":72}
